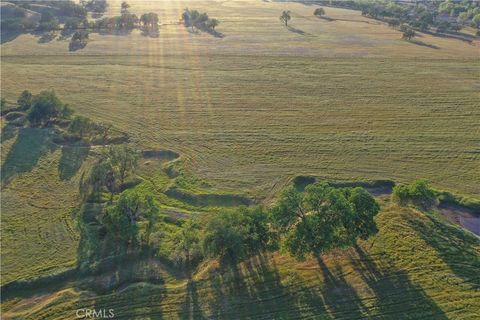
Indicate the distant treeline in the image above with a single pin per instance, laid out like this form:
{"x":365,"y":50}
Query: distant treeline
{"x":445,"y":16}
{"x":47,"y":17}
{"x":46,"y":110}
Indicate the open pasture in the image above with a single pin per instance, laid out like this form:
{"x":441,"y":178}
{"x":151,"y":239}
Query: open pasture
{"x":342,"y":98}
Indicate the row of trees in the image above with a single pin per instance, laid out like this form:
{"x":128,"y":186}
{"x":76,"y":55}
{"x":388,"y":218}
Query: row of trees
{"x":127,"y":21}
{"x":464,"y":11}
{"x":408,"y":33}
{"x":52,"y":13}
{"x":46,"y":109}
{"x":77,"y":24}
{"x":200,"y":20}
{"x":313,"y":222}
{"x":421,"y":15}
{"x":320,"y":219}
{"x":95,"y":6}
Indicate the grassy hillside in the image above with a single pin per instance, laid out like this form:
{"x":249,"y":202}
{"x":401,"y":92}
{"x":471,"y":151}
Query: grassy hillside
{"x":342,"y":98}
{"x":417,"y":267}
{"x":39,"y":194}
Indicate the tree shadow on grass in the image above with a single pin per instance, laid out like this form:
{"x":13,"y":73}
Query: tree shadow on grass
{"x":451,"y":243}
{"x":214,"y":33}
{"x":139,"y":301}
{"x":256,"y":291}
{"x":339,"y":296}
{"x":396,"y":296}
{"x":71,"y":160}
{"x":31,"y":144}
{"x":191,"y":308}
{"x":423,"y":44}
{"x":8,"y":132}
{"x":151,"y":33}
{"x":297,"y":31}
{"x":326,"y":18}
{"x":7,"y":36}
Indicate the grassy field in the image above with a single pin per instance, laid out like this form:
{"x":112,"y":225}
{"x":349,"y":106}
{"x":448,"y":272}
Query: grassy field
{"x":340,"y":99}
{"x":417,"y":267}
{"x":349,"y":99}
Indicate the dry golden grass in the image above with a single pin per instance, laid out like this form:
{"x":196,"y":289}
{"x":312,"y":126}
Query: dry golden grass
{"x":342,"y":99}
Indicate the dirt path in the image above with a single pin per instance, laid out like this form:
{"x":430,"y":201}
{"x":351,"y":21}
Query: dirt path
{"x":464,"y":217}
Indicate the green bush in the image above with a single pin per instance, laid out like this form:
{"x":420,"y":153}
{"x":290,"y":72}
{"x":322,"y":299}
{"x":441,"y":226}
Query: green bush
{"x":417,"y":193}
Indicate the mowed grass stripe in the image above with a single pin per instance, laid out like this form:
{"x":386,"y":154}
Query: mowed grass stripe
{"x":342,"y":111}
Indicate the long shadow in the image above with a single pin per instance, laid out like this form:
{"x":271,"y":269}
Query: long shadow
{"x":71,"y":160}
{"x":7,"y":36}
{"x":327,"y":18}
{"x":134,"y":302}
{"x":8,"y":132}
{"x":451,"y":242}
{"x":297,"y":31}
{"x":339,"y":296}
{"x":394,"y":292}
{"x":214,"y":33}
{"x":113,"y":32}
{"x":31,"y":144}
{"x":256,"y":291}
{"x":191,"y":308}
{"x":423,"y":44}
{"x":150,"y":32}
{"x":452,"y":35}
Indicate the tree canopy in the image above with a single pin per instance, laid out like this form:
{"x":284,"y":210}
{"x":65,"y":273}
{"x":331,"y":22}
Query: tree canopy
{"x":149,"y":20}
{"x":45,"y":106}
{"x":186,"y":243}
{"x":323,"y":218}
{"x":235,"y":235}
{"x":285,"y":17}
{"x":319,"y":12}
{"x":80,"y":126}
{"x":408,"y":34}
{"x":25,"y":100}
{"x":200,"y":20}
{"x":111,"y":169}
{"x":121,"y":219}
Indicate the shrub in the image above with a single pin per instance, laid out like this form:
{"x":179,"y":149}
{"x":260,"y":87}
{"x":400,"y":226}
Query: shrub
{"x":417,"y":193}
{"x":25,"y":100}
{"x":408,"y":34}
{"x":319,"y":12}
{"x":78,"y":41}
